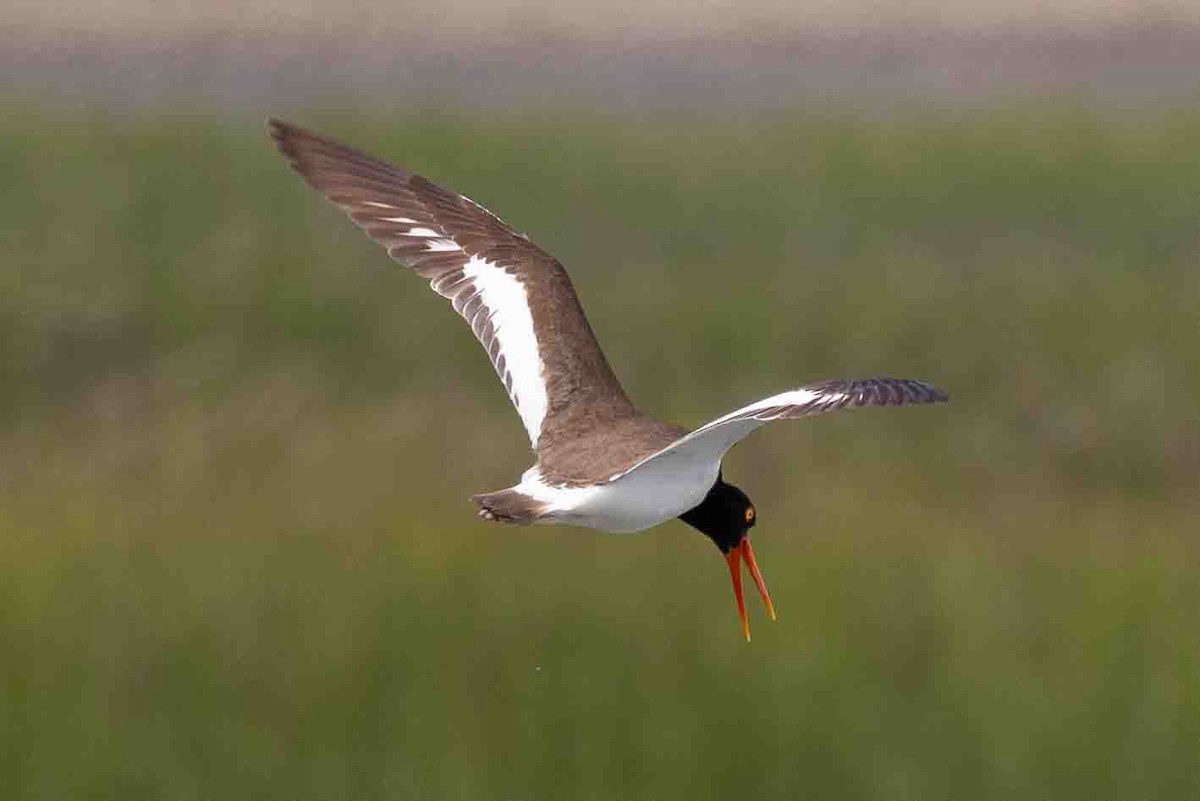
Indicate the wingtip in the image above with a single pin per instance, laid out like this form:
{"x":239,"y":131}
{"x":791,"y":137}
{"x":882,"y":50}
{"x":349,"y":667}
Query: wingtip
{"x":924,"y":391}
{"x":937,"y":394}
{"x":281,"y":131}
{"x":291,"y":141}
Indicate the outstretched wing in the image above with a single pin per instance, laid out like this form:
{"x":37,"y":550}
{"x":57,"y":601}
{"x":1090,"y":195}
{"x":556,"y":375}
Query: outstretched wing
{"x":517,"y":299}
{"x":708,"y":444}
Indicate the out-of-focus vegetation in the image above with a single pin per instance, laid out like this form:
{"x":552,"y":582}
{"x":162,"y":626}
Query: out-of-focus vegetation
{"x":238,"y":559}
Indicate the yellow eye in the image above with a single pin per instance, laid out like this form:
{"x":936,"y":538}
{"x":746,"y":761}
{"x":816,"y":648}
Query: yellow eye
{"x":749,"y":514}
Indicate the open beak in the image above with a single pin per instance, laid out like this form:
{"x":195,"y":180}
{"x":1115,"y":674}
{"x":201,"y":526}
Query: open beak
{"x":734,"y":557}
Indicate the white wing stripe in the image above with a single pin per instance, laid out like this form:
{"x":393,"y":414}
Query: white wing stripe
{"x":706,"y":446}
{"x":427,"y":233}
{"x":795,"y":397}
{"x":417,"y":222}
{"x":507,"y":302}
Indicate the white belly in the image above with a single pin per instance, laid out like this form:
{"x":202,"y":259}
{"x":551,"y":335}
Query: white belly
{"x":633,"y":502}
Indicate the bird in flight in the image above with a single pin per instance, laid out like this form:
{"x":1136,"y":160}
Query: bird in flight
{"x":601,"y":463}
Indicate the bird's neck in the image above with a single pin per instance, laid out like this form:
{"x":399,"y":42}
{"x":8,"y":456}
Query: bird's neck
{"x":708,"y":517}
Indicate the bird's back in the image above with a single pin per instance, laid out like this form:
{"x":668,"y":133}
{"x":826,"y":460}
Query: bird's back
{"x":602,"y":451}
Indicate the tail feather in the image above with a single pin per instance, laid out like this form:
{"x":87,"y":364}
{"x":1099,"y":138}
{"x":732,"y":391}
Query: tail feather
{"x":510,"y":506}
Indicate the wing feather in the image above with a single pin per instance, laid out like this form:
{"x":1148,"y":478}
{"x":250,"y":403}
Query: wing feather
{"x":517,"y":299}
{"x":709,"y":442}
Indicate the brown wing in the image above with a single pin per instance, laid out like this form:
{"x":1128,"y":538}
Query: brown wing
{"x":517,"y":299}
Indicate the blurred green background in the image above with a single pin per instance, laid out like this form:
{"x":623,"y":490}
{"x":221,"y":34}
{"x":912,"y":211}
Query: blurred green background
{"x":238,"y":556}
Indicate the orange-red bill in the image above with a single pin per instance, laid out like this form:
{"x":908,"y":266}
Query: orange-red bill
{"x":748,"y":553}
{"x":734,"y":557}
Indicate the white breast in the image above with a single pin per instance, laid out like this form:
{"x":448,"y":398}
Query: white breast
{"x":632,"y":502}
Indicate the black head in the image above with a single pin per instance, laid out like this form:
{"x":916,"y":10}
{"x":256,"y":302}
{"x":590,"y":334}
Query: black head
{"x":725,"y":515}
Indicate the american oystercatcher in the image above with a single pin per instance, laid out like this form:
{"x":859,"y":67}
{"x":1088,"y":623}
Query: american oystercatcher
{"x":600,"y":462}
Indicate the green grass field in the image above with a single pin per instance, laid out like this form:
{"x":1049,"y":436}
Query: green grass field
{"x":238,"y":559}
